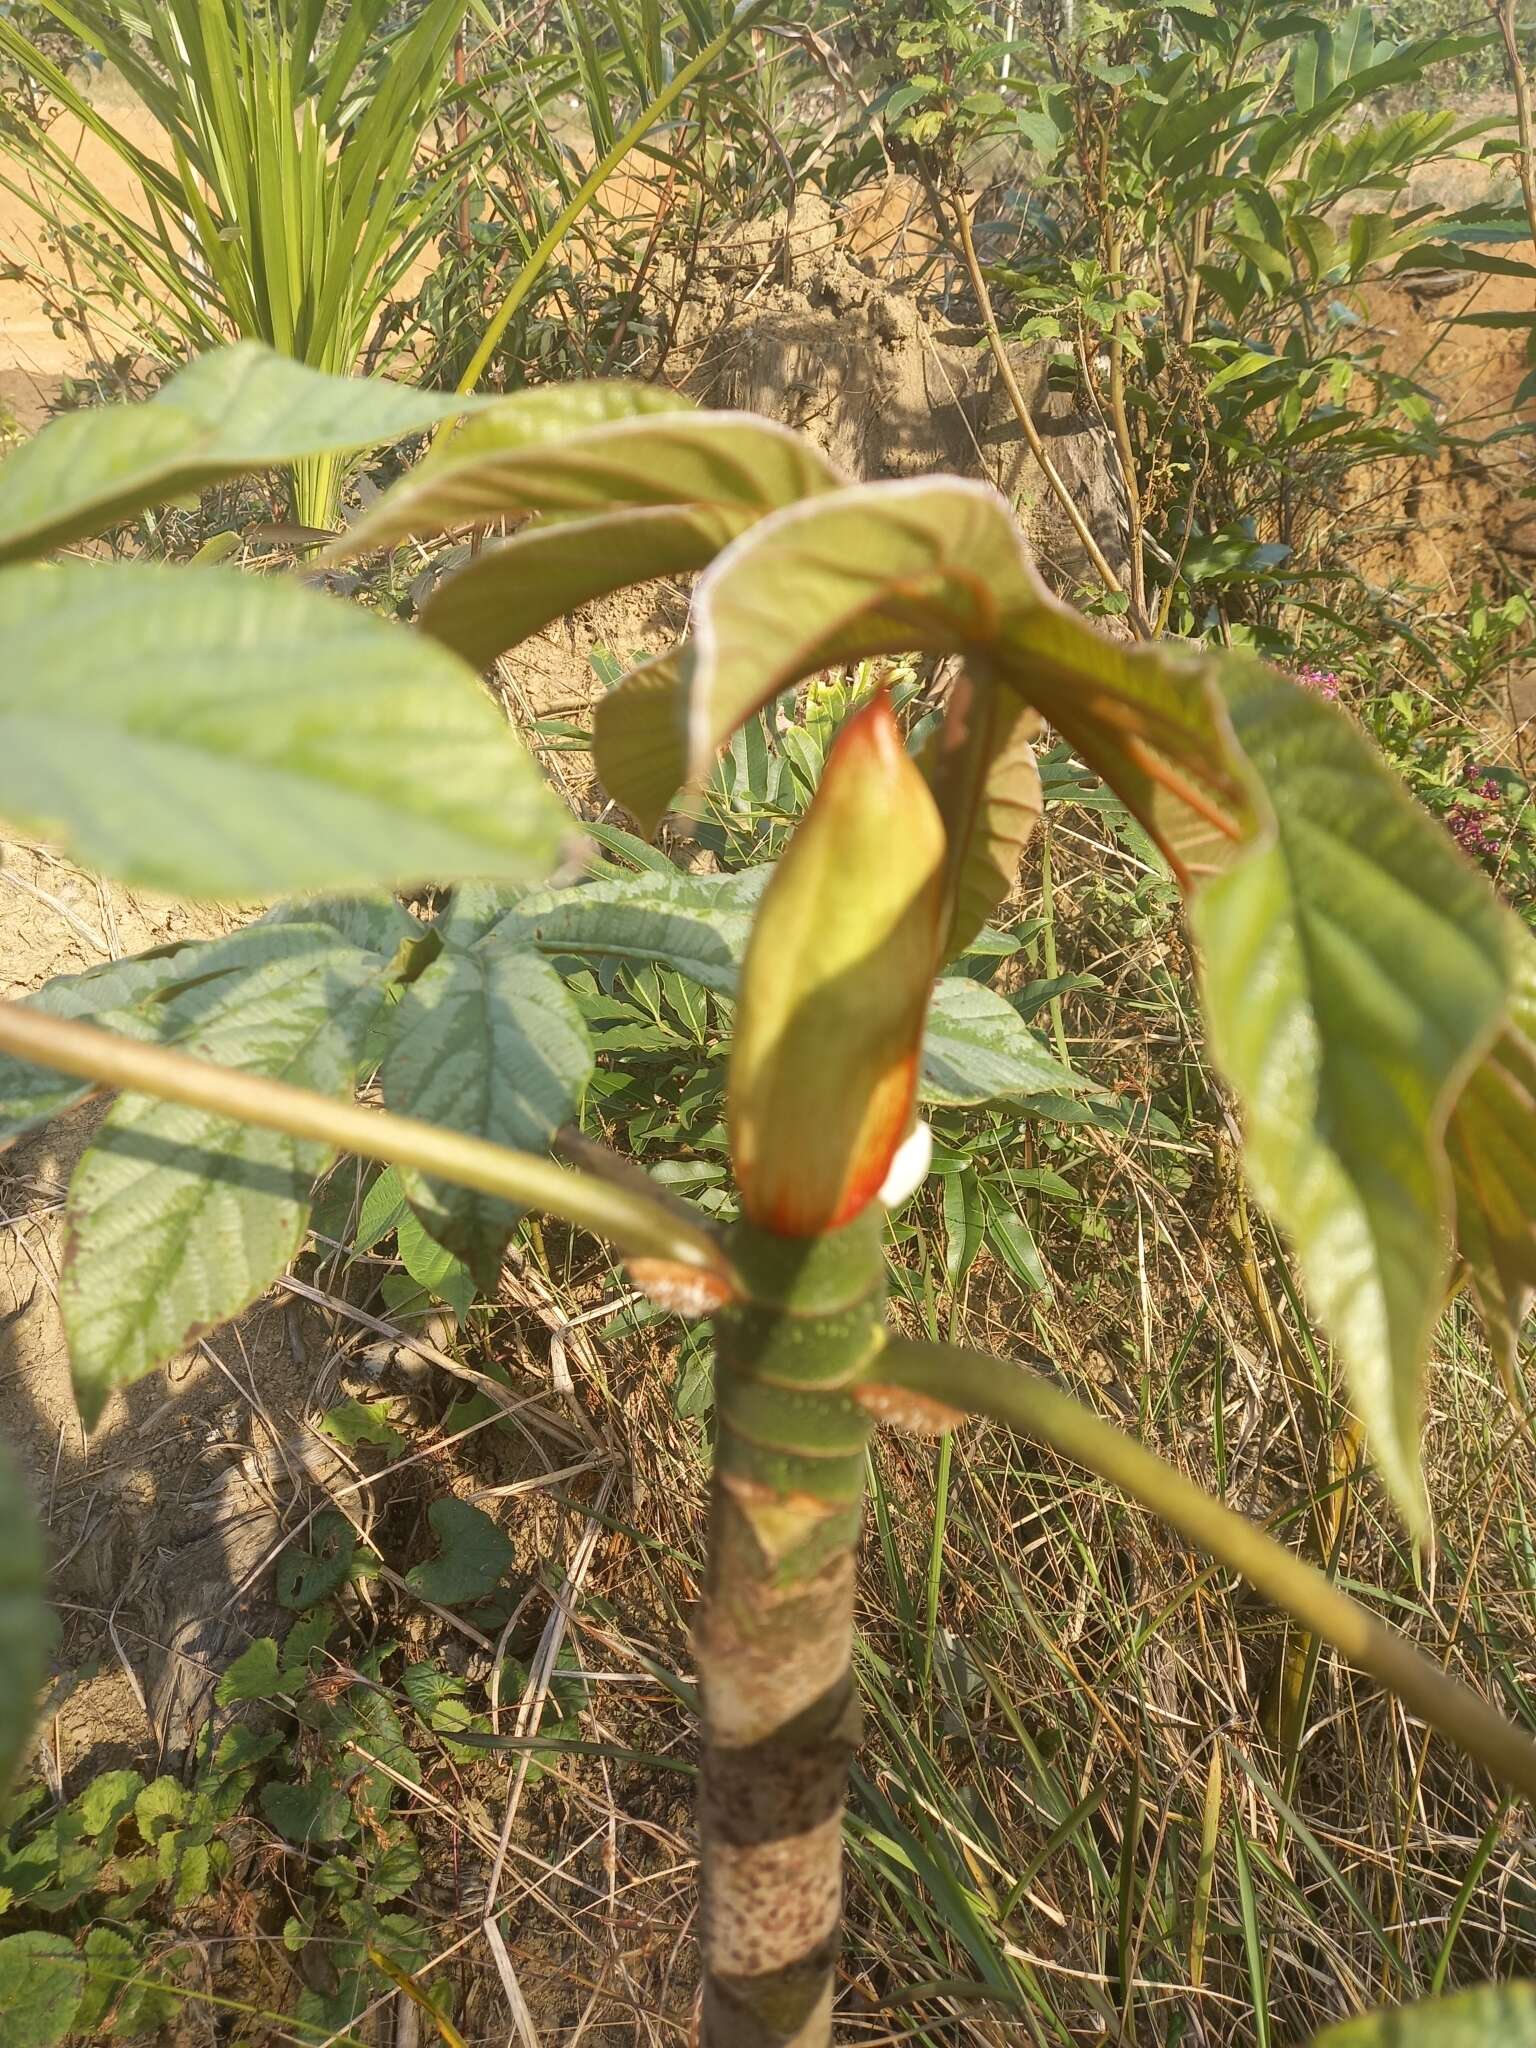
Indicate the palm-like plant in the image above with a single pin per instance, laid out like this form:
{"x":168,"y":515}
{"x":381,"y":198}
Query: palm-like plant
{"x":293,"y":193}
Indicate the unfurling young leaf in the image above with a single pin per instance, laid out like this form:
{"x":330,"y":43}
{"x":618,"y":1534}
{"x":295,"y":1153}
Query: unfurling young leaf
{"x":835,"y":988}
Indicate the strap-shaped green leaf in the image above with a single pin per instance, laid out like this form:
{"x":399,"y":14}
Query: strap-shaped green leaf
{"x":486,"y":1041}
{"x":1489,"y":2016}
{"x":1355,"y":970}
{"x":231,"y":736}
{"x":232,"y":410}
{"x":179,"y":1218}
{"x":637,"y":448}
{"x":937,"y":566}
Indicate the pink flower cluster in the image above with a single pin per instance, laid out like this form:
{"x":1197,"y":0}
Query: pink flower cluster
{"x":1476,"y":830}
{"x":1322,"y":682}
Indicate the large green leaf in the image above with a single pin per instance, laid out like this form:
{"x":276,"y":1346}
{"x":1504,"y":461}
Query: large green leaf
{"x":1490,"y":2016}
{"x":24,"y":1620}
{"x":231,"y":410}
{"x":126,"y":995}
{"x":178,"y":1218}
{"x":1492,"y":1146}
{"x":376,"y":924}
{"x":112,"y":996}
{"x":1355,"y":970}
{"x":661,"y":454}
{"x":978,"y":1049}
{"x":696,"y":924}
{"x":667,"y":494}
{"x":937,"y":566}
{"x":229,"y":736}
{"x":485,"y":1041}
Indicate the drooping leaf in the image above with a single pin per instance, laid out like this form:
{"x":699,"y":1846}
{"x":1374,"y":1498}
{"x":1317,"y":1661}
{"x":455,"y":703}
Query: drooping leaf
{"x":719,"y":465}
{"x":178,"y":1218}
{"x":486,"y":1041}
{"x":229,"y":411}
{"x":674,"y":493}
{"x":472,"y":1555}
{"x":639,"y":738}
{"x":937,"y":566}
{"x":1488,"y":2016}
{"x":977,"y":1048}
{"x":1491,"y":1142}
{"x":980,"y":765}
{"x":835,"y":987}
{"x":224,"y":735}
{"x":24,"y":1623}
{"x":1355,"y":969}
{"x":41,"y":1984}
{"x":459,"y":479}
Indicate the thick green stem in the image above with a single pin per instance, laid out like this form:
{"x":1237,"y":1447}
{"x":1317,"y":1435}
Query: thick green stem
{"x":972,"y":1382}
{"x":775,"y":1632}
{"x":624,"y":1215}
